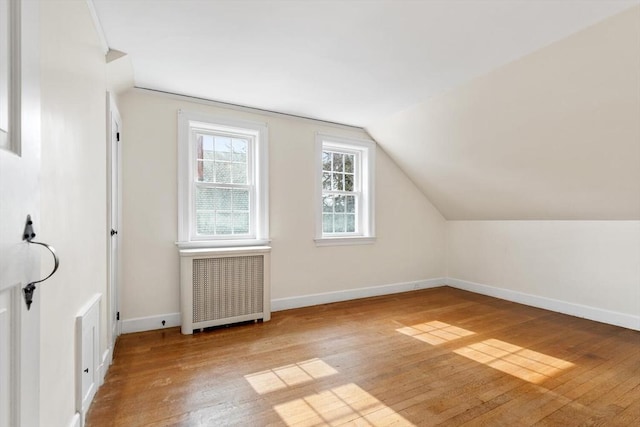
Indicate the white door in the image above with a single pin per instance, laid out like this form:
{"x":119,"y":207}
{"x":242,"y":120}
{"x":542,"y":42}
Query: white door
{"x":19,"y":197}
{"x":114,"y":125}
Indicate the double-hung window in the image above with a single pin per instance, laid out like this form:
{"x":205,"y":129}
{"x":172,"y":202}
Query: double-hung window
{"x":344,"y":190}
{"x":222,"y":182}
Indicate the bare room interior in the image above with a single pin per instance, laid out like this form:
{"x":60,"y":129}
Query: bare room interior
{"x":322,"y":212}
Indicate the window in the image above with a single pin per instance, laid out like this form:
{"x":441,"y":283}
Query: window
{"x":222,"y":182}
{"x":345,"y":189}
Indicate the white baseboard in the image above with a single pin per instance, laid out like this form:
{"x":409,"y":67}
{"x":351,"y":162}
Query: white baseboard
{"x":141,"y":324}
{"x":107,"y":357}
{"x":592,"y":313}
{"x":75,"y":420}
{"x":329,"y":297}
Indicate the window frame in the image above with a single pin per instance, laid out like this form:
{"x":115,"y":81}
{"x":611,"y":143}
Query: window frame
{"x":189,"y":125}
{"x":364,"y":183}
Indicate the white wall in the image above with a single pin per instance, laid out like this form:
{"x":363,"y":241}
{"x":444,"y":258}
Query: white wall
{"x":410,"y":244}
{"x":592,"y":264}
{"x":74,"y":196}
{"x":554,"y":135}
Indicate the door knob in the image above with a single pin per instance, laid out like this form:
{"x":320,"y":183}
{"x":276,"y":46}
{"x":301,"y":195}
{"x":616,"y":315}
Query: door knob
{"x":113,"y":232}
{"x":28,"y":235}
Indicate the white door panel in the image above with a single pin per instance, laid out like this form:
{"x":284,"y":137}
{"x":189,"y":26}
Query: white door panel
{"x":19,"y":197}
{"x":113,"y":139}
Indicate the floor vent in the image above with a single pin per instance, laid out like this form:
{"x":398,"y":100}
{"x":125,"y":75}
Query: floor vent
{"x":223,"y":286}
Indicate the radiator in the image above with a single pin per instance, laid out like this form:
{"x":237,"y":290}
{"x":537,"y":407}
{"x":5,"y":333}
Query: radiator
{"x":224,"y":286}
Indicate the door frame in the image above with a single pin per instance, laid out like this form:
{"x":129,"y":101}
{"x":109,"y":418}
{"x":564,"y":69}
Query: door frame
{"x":114,"y":220}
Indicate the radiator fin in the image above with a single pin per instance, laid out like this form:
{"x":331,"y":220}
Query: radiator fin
{"x":227,"y":287}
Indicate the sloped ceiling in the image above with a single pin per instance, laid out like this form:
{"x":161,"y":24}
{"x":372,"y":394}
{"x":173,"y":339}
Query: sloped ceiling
{"x":346,"y":61}
{"x":554,"y":135}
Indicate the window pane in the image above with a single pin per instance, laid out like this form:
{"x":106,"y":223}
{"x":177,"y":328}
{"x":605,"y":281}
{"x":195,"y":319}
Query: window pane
{"x":351,"y":223}
{"x":204,"y":147}
{"x":338,"y":182}
{"x":339,"y":223}
{"x":222,"y":199}
{"x":337,"y":162}
{"x":327,"y":204}
{"x":204,"y":171}
{"x":348,"y":163}
{"x":223,"y":172}
{"x":351,"y":204}
{"x":204,"y":199}
{"x":240,"y":200}
{"x":326,"y":181}
{"x":326,"y":161}
{"x":240,"y":223}
{"x":223,"y":223}
{"x":205,"y":222}
{"x":239,"y":173}
{"x":239,"y":147}
{"x":348,"y":182}
{"x":223,"y":148}
{"x":339,"y":204}
{"x":327,"y":223}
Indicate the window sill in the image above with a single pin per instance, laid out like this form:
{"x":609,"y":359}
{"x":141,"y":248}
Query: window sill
{"x":344,"y":241}
{"x":207,"y":252}
{"x":223,"y":244}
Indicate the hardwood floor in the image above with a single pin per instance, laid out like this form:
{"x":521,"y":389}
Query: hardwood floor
{"x":437,"y":356}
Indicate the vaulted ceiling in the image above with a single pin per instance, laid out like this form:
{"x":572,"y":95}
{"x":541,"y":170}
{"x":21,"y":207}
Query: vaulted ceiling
{"x":496,"y":109}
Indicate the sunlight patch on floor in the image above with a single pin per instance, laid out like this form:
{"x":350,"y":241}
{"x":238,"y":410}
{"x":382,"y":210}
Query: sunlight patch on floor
{"x":339,"y":405}
{"x":289,"y":375}
{"x":514,"y":360}
{"x":435,"y":332}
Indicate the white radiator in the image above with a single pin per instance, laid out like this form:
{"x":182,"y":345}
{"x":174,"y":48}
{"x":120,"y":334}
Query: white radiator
{"x":224,"y":286}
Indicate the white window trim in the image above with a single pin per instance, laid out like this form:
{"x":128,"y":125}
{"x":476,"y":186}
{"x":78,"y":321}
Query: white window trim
{"x":186,"y":122}
{"x":367,"y":152}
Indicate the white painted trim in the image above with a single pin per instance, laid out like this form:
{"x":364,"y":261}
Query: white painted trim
{"x":243,"y":108}
{"x":345,"y":241}
{"x":150,"y":323}
{"x":76,"y":421}
{"x":113,"y":265}
{"x":350,"y":294}
{"x":222,"y":244}
{"x":105,"y":363}
{"x":88,"y":320}
{"x":259,"y":167}
{"x":587,"y":312}
{"x":98,"y":26}
{"x":365,"y":149}
{"x":221,"y":252}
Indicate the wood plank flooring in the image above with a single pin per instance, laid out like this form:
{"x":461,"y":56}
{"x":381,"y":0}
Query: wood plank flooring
{"x":434,"y":357}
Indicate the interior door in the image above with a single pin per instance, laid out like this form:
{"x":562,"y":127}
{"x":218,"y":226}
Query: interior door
{"x":114,"y":124}
{"x":19,"y":197}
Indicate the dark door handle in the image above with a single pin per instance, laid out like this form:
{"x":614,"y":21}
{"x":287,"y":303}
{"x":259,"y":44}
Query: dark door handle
{"x":113,"y":232}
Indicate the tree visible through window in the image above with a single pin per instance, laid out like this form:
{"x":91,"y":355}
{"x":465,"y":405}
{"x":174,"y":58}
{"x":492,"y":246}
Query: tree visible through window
{"x":339,"y":192}
{"x":345,"y":191}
